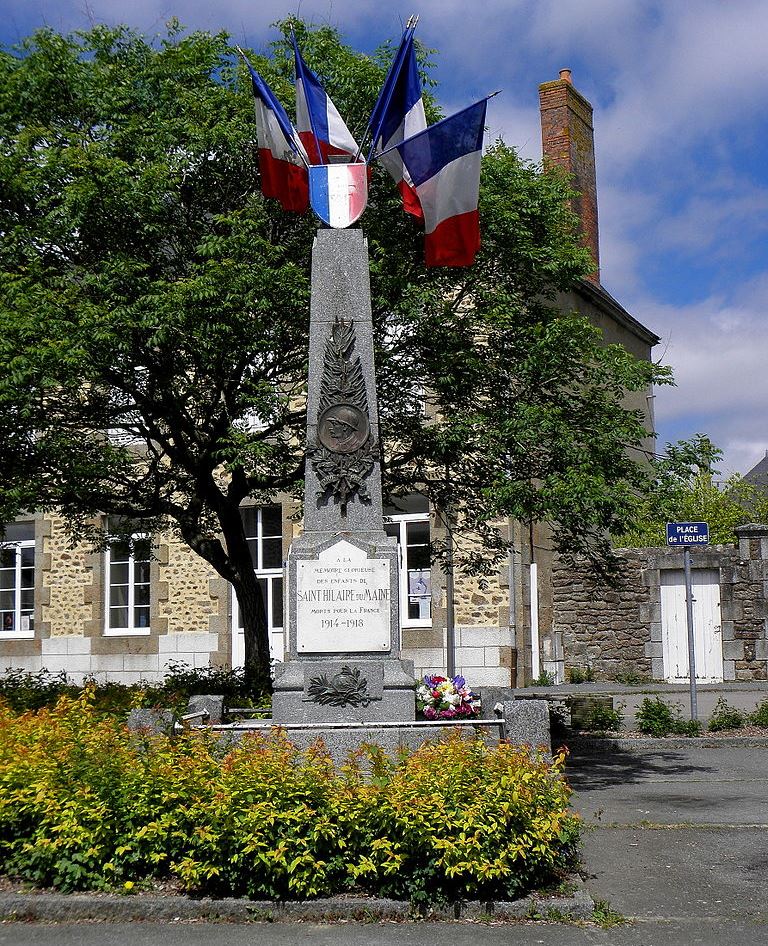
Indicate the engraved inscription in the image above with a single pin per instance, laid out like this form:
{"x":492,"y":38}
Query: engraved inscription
{"x":343,"y":602}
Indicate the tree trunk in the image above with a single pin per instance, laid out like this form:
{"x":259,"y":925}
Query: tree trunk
{"x":253,"y":613}
{"x":250,"y":600}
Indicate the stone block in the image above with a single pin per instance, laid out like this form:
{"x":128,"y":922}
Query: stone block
{"x":78,"y":645}
{"x":471,"y":656}
{"x":355,"y":690}
{"x":657,"y":668}
{"x":484,"y":636}
{"x":54,"y":646}
{"x":108,"y":663}
{"x":157,"y":721}
{"x":492,"y":657}
{"x":168,"y":643}
{"x":213,"y":704}
{"x":428,"y":658}
{"x":486,"y":676}
{"x":526,"y":723}
{"x":186,"y":657}
{"x":71,"y":665}
{"x":141,"y":663}
{"x":761,"y":650}
{"x":733,"y":650}
{"x":420,"y":638}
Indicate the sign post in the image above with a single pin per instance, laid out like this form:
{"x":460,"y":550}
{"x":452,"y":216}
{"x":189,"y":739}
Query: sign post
{"x":688,"y":534}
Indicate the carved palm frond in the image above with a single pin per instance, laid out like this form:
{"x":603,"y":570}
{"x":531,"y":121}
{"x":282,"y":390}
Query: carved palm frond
{"x":346,"y":688}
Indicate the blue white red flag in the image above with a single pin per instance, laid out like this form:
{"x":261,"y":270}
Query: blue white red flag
{"x":320,"y":127}
{"x":444,"y":164}
{"x":399,"y":114}
{"x":282,"y":159}
{"x":338,"y":192}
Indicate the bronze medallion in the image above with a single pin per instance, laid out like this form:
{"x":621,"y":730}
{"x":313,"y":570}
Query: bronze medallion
{"x":343,"y":428}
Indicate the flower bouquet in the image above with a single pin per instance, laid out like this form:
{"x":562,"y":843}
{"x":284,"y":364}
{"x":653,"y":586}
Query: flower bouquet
{"x":446,"y":698}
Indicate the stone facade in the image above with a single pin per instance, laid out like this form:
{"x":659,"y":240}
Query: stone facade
{"x":617,"y":628}
{"x":192,"y":616}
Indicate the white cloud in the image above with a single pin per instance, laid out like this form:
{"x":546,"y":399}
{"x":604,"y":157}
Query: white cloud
{"x":717,"y":349}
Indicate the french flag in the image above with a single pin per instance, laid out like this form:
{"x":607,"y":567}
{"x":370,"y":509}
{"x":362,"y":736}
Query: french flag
{"x":321,"y":129}
{"x":443,"y":162}
{"x":282,"y":159}
{"x":397,"y":115}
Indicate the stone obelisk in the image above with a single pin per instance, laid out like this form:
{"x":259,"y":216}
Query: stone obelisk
{"x":343,"y":646}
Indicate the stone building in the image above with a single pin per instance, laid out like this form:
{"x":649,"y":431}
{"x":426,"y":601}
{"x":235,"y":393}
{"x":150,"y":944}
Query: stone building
{"x":638,"y":626}
{"x":127,"y":611}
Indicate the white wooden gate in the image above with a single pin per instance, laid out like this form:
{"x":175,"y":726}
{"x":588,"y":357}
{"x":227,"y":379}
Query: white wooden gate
{"x":706,"y":625}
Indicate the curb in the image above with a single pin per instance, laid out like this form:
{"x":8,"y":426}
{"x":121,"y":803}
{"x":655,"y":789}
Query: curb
{"x":594,"y":745}
{"x":62,"y":908}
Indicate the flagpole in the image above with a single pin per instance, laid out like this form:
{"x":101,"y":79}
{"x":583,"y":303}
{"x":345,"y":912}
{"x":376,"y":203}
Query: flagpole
{"x":431,"y":128}
{"x":296,"y":59}
{"x":299,"y":150}
{"x":397,"y":62}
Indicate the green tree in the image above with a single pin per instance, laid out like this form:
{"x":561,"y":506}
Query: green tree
{"x":686,"y":488}
{"x":147,"y":288}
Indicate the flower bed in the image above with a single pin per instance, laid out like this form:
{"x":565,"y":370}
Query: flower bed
{"x":85,"y":804}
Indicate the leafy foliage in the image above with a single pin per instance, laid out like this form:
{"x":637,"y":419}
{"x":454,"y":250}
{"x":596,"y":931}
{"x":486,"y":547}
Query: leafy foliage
{"x":23,"y":691}
{"x":725,"y":717}
{"x":602,"y":718}
{"x":686,"y":489}
{"x":760,"y":715}
{"x":147,"y":289}
{"x":657,"y":718}
{"x":85,"y":804}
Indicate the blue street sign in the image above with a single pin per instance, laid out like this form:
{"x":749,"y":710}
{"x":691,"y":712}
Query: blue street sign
{"x":687,"y":533}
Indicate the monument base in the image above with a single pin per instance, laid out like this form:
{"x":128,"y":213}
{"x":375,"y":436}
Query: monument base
{"x":344,"y":690}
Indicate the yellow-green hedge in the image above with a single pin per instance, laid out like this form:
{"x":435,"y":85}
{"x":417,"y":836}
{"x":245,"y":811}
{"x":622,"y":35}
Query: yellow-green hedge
{"x":86,"y":804}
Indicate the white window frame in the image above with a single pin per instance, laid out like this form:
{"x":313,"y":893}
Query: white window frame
{"x":401,"y":520}
{"x":131,"y":630}
{"x":276,"y":634}
{"x":20,"y":633}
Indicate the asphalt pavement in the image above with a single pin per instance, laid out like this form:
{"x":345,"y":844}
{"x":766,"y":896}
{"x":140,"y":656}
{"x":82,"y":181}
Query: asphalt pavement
{"x":676,"y":842}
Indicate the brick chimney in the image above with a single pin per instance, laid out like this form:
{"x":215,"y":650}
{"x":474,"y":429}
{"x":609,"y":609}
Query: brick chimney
{"x":567,"y":140}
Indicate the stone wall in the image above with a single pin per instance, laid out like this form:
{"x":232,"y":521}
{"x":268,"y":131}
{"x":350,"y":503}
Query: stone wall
{"x":601,"y":627}
{"x":618,"y":628}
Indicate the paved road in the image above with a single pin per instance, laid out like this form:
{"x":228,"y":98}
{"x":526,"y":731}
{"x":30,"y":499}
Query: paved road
{"x":678,"y":836}
{"x":678,"y":841}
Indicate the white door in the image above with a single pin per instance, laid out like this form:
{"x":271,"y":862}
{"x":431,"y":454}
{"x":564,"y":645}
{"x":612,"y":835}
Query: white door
{"x":706,"y":625}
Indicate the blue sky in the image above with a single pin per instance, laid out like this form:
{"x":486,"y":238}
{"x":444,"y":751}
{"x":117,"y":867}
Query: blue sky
{"x":681,"y":121}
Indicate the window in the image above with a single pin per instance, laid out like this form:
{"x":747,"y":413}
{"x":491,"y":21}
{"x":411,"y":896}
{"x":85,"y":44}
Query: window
{"x":17,"y":581}
{"x":128,"y":584}
{"x":264,"y":531}
{"x":410,"y":526}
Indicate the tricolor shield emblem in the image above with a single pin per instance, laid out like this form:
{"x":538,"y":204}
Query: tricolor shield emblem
{"x":338,"y":192}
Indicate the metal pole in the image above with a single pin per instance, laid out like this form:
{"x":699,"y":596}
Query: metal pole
{"x":691,"y":639}
{"x":450,"y":626}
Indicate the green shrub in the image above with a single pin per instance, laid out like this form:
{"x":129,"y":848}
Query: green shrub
{"x":760,"y":715}
{"x":581,"y":675}
{"x":85,"y":804}
{"x":725,"y":717}
{"x":600,"y":718}
{"x":657,"y":718}
{"x":631,"y":678}
{"x":546,"y":678}
{"x":24,"y":691}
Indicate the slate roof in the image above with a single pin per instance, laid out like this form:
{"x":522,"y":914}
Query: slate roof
{"x":758,"y":475}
